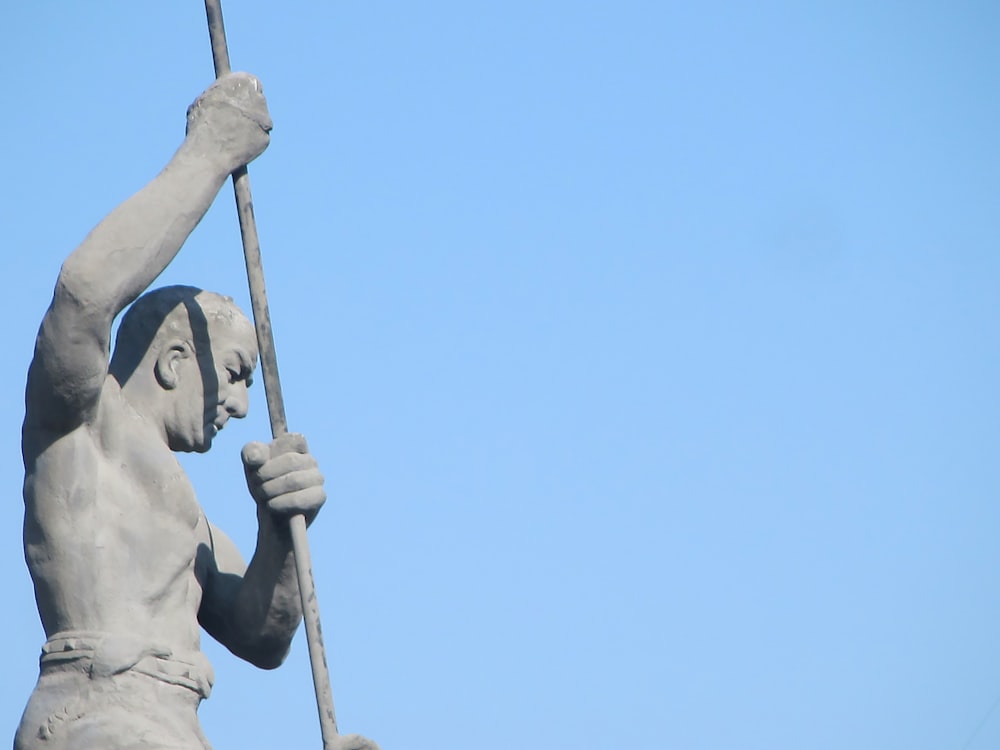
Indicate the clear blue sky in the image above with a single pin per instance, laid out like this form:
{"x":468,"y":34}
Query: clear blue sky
{"x":650,"y":349}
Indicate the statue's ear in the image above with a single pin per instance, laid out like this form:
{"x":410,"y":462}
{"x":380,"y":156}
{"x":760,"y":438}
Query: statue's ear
{"x":168,"y":361}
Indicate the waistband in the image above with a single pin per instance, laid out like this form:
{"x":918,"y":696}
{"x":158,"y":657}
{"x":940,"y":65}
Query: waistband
{"x":107,"y":654}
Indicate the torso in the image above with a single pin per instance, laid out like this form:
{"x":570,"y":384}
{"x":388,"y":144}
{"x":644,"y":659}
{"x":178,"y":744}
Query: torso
{"x":113,"y":529}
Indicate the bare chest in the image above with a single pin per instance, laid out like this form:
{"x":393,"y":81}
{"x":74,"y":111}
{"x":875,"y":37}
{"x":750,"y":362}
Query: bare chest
{"x":143,"y":498}
{"x":117,"y":524}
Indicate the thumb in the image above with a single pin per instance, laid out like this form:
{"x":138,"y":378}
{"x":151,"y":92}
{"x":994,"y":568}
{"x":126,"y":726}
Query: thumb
{"x":255,"y":454}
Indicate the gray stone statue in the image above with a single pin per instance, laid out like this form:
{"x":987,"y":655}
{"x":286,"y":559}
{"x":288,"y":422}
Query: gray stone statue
{"x":127,"y":569}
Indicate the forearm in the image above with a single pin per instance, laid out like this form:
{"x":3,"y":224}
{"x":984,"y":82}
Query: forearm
{"x":267,"y":609}
{"x":227,"y":126}
{"x":261,"y":614}
{"x":133,"y":244}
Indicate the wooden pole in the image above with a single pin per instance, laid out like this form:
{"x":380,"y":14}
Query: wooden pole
{"x":275,"y":403}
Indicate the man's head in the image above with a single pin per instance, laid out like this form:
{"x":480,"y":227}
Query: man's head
{"x":188,"y":355}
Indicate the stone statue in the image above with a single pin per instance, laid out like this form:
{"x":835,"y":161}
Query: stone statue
{"x":125,"y":564}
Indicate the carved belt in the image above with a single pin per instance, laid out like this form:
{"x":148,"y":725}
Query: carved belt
{"x":109,"y":654}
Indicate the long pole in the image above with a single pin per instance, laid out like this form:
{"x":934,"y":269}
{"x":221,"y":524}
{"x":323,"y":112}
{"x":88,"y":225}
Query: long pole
{"x":275,"y":403}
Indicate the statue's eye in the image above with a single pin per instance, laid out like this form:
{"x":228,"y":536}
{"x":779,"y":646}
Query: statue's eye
{"x":241,"y":374}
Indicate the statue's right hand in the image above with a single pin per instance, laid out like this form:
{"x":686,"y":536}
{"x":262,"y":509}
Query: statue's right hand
{"x":230,"y":121}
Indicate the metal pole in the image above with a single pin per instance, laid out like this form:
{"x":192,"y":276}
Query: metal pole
{"x":275,"y":403}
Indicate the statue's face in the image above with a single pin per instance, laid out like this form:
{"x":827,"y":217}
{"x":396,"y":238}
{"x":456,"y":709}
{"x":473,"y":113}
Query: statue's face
{"x":212,"y":385}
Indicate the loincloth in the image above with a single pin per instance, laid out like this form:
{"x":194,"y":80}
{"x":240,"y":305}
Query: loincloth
{"x":105,"y":655}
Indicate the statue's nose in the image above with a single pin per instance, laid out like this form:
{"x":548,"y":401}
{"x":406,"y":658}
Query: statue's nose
{"x":237,"y":402}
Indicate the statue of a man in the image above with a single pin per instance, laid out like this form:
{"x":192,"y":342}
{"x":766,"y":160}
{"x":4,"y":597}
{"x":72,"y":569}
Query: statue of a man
{"x":126,"y":566}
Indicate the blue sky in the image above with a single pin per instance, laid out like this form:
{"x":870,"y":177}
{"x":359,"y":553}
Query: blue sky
{"x":650,"y":350}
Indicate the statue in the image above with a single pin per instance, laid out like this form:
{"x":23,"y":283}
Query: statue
{"x":126,"y":566}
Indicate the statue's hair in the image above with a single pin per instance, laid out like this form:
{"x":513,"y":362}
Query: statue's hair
{"x":168,"y":312}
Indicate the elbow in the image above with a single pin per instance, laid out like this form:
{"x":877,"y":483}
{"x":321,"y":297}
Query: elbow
{"x":265,"y":655}
{"x":85,"y":296}
{"x":78,"y":283}
{"x":270,"y":661}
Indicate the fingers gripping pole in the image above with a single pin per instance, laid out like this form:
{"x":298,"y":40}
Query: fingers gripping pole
{"x":275,"y":403}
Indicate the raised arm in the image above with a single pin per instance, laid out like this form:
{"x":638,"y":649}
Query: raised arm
{"x":227,"y":127}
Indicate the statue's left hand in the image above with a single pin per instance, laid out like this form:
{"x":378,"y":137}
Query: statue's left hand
{"x":283,"y":476}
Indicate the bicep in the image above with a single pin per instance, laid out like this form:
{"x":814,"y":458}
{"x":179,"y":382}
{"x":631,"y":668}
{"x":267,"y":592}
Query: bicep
{"x":226,"y":558}
{"x":220,"y":570}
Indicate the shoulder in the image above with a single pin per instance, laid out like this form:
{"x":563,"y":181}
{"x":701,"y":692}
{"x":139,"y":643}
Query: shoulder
{"x":69,"y":365}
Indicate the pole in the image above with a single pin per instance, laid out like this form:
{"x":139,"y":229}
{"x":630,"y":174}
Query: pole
{"x":275,"y":403}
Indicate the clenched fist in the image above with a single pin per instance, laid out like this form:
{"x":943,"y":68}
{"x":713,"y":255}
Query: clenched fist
{"x":230,"y":121}
{"x":283,"y":477}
